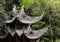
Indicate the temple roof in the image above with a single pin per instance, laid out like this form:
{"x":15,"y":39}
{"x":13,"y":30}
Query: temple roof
{"x":26,"y":30}
{"x":35,"y":34}
{"x":26,"y":19}
{"x":23,"y":18}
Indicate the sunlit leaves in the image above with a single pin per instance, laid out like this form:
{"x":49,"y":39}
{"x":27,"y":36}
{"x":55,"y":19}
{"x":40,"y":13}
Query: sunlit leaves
{"x":38,"y":25}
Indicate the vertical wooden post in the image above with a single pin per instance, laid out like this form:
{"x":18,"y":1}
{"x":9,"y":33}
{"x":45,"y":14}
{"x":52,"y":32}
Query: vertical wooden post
{"x":32,"y":40}
{"x":37,"y":40}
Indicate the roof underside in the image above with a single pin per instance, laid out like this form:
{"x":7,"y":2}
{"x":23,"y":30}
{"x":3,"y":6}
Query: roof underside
{"x":27,"y":31}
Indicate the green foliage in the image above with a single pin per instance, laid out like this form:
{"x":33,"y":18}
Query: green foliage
{"x":44,"y":39}
{"x":32,"y":7}
{"x":51,"y":9}
{"x":38,"y":25}
{"x":3,"y":18}
{"x":57,"y":40}
{"x":1,"y":4}
{"x":8,"y":5}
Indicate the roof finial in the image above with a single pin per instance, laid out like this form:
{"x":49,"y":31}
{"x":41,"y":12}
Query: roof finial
{"x":22,"y":8}
{"x":14,"y":9}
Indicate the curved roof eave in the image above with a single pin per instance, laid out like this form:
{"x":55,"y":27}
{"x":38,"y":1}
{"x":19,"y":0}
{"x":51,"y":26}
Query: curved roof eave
{"x":30,"y":20}
{"x":9,"y":21}
{"x":35,"y":34}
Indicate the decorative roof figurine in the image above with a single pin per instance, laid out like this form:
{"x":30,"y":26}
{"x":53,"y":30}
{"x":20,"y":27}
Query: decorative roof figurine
{"x":21,"y":23}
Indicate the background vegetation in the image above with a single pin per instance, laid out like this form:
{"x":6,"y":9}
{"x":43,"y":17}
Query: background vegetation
{"x":35,"y":8}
